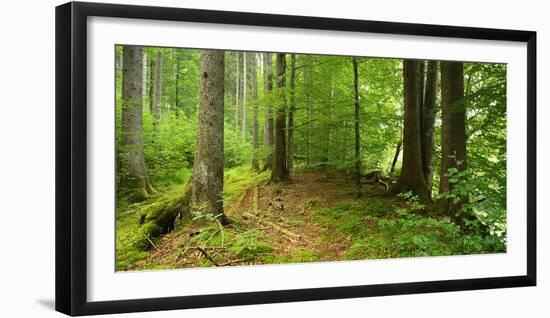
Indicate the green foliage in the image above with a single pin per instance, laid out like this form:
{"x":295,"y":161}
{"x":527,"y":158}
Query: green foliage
{"x":248,"y":245}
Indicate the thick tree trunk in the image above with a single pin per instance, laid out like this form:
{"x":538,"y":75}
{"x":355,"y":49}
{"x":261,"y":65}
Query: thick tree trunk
{"x":279,"y":170}
{"x":254,"y":79}
{"x":245,"y":76}
{"x":357,"y":157}
{"x":133,"y":161}
{"x":268,"y":126}
{"x":204,"y":189}
{"x":428,"y":120}
{"x":453,"y":126}
{"x":207,"y":177}
{"x":156,"y":111}
{"x":292,"y":109}
{"x":412,"y":172}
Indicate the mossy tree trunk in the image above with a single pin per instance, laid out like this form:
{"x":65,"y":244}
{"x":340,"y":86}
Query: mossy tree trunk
{"x":133,"y":160}
{"x":207,"y":177}
{"x":204,"y":190}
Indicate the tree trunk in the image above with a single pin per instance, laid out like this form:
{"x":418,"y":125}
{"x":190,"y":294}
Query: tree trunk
{"x":133,"y":160}
{"x":412,"y":173}
{"x":207,"y":177}
{"x":428,"y":120}
{"x":237,"y":93}
{"x":204,"y":189}
{"x":144,"y":80}
{"x":307,"y":81}
{"x":453,"y":126}
{"x":279,"y":170}
{"x":245,"y":75}
{"x":268,"y":126}
{"x":292,"y":109}
{"x":151,"y":83}
{"x":156,"y":111}
{"x":395,"y":157}
{"x":357,"y":135}
{"x":177,"y":82}
{"x":254,"y":79}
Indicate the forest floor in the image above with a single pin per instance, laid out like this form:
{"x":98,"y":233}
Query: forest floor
{"x":313,"y":217}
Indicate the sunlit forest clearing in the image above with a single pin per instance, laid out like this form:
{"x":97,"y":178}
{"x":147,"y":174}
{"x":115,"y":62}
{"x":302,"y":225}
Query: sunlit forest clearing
{"x":227,"y":158}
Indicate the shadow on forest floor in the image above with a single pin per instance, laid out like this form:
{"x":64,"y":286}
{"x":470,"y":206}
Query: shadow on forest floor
{"x":314,"y":217}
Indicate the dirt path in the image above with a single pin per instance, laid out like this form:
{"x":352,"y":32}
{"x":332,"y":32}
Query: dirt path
{"x":284,"y":209}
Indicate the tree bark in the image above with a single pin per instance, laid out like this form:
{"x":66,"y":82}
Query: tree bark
{"x":395,"y":157}
{"x":177,"y":82}
{"x":269,"y":124}
{"x":453,"y":126}
{"x":245,"y":76}
{"x":151,"y":83}
{"x":133,"y":160}
{"x":412,"y":172}
{"x":156,"y":111}
{"x":279,"y":170}
{"x":357,"y":133}
{"x":292,"y":109}
{"x":254,"y":79}
{"x":429,"y":111}
{"x":207,"y":176}
{"x":237,"y":93}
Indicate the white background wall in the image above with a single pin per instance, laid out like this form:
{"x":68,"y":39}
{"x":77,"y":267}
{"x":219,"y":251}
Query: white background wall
{"x":27,"y":158}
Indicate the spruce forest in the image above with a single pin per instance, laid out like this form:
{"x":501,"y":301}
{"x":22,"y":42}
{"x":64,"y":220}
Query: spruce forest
{"x":231,"y":158}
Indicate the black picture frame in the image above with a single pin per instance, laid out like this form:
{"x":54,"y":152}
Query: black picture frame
{"x":71,"y":157}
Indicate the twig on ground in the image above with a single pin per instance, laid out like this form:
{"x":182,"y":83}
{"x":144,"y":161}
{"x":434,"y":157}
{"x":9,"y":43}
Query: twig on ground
{"x":203,"y":251}
{"x":148,"y":239}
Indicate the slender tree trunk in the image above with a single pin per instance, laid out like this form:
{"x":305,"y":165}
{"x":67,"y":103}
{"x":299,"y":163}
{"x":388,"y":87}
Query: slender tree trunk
{"x":156,"y":112}
{"x":268,"y":126}
{"x":245,"y":76}
{"x":357,"y":133}
{"x":133,"y":160}
{"x":307,"y":80}
{"x":428,"y":121}
{"x":292,"y":110}
{"x":237,"y":92}
{"x":177,"y":82}
{"x":453,"y":127}
{"x":395,"y":157}
{"x":279,"y":170}
{"x":412,"y":173}
{"x":207,"y":177}
{"x":151,"y":83}
{"x":254,"y":79}
{"x":144,"y":80}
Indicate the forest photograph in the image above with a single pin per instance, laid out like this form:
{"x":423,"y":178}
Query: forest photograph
{"x":239,"y":158}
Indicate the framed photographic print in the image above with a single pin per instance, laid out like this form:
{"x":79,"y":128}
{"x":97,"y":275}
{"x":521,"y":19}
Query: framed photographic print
{"x":208,"y":158}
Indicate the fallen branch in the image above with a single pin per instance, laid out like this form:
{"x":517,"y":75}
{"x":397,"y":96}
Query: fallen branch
{"x":232,"y":262}
{"x":148,"y":239}
{"x":203,"y":251}
{"x":273,"y":225}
